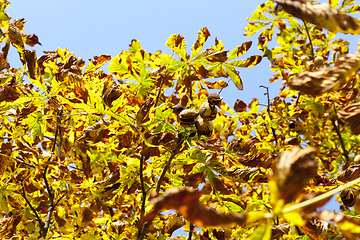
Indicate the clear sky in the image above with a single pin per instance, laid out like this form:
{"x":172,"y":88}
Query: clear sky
{"x":90,"y":28}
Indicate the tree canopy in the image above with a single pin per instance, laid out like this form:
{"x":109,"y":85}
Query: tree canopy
{"x":93,"y":154}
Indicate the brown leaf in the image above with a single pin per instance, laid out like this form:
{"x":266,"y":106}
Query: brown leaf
{"x":111,"y":179}
{"x":241,"y":174}
{"x":315,"y":229}
{"x":186,"y":202}
{"x":351,"y":114}
{"x":292,"y":171}
{"x":323,"y":15}
{"x":15,"y":37}
{"x":96,"y":131}
{"x":125,"y":140}
{"x":9,"y":92}
{"x":86,"y":216}
{"x":10,"y":227}
{"x":27,"y":110}
{"x":144,"y":110}
{"x":19,"y":23}
{"x":215,"y":85}
{"x":148,"y":152}
{"x":215,"y":56}
{"x":240,"y":106}
{"x":160,"y":138}
{"x":278,"y":230}
{"x":349,"y":174}
{"x":30,"y":57}
{"x":48,"y":56}
{"x":327,"y":79}
{"x":202,"y":72}
{"x":193,"y":180}
{"x":81,"y":93}
{"x":203,"y":35}
{"x":350,"y":227}
{"x":31,"y":40}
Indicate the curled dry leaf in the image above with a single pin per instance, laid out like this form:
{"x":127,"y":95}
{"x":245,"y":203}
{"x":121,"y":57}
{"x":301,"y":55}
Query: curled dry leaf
{"x":9,"y":92}
{"x":96,"y":132}
{"x":241,"y":174}
{"x":9,"y":229}
{"x":16,"y":38}
{"x":350,"y":173}
{"x":292,"y":171}
{"x":278,"y":230}
{"x":327,"y":79}
{"x":48,"y":56}
{"x":322,"y":15}
{"x":30,"y":58}
{"x":31,"y":39}
{"x":186,"y":202}
{"x":315,"y":229}
{"x":351,"y":114}
{"x":215,"y":56}
{"x":240,"y":106}
{"x":350,"y":227}
{"x":111,"y":179}
{"x":160,"y":138}
{"x":144,"y":110}
{"x":111,"y":94}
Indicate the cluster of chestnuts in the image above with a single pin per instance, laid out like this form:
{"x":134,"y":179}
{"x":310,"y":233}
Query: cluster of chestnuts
{"x":207,"y":113}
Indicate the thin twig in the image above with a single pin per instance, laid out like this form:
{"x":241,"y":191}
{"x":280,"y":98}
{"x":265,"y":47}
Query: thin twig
{"x":18,"y":160}
{"x":311,"y":44}
{"x":297,"y":99}
{"x":41,"y":224}
{"x":268,"y":110}
{"x":345,"y":152}
{"x":192,"y":226}
{"x":162,"y":81}
{"x":168,"y":163}
{"x":142,"y":212}
{"x":166,"y":167}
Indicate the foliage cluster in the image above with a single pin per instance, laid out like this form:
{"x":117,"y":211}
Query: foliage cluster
{"x":93,"y":155}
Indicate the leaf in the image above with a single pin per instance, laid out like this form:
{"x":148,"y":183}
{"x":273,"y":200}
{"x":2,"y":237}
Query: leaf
{"x":9,"y":93}
{"x":292,"y":171}
{"x":277,"y":231}
{"x":31,"y":40}
{"x":240,"y":50}
{"x":215,"y":56}
{"x":9,"y":230}
{"x":349,"y":174}
{"x":351,"y":114}
{"x":235,"y":77}
{"x":323,"y":15}
{"x":327,"y":79}
{"x":315,"y":229}
{"x":16,"y":38}
{"x":215,"y":85}
{"x":186,"y":202}
{"x":97,"y":63}
{"x":203,"y":35}
{"x":176,"y":43}
{"x":143,"y":112}
{"x":240,"y":106}
{"x":249,"y":62}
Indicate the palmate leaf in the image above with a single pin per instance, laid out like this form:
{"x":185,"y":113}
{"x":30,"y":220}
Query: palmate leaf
{"x":235,"y":77}
{"x":322,"y":15}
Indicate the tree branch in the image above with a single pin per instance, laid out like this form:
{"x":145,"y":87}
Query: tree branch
{"x":308,"y":34}
{"x":192,"y":226}
{"x":142,"y":211}
{"x":268,"y":110}
{"x":346,"y":154}
{"x":34,"y":211}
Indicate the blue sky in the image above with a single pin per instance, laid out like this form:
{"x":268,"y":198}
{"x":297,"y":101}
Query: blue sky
{"x":91,"y":28}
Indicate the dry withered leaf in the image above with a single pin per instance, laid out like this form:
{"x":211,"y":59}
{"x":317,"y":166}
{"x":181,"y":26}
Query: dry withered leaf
{"x":48,"y":56}
{"x":240,"y":106}
{"x":111,"y":179}
{"x":350,"y":227}
{"x":96,"y":131}
{"x":349,"y":174}
{"x":327,"y":79}
{"x":160,"y":138}
{"x":111,"y":94}
{"x":278,"y":230}
{"x":10,"y":227}
{"x":19,"y":23}
{"x":86,"y":216}
{"x":215,"y":56}
{"x":292,"y":171}
{"x":351,"y":114}
{"x":144,"y":110}
{"x":31,"y":39}
{"x":323,"y":15}
{"x":186,"y":202}
{"x":15,"y":37}
{"x":9,"y":92}
{"x":215,"y":85}
{"x":174,"y":222}
{"x":315,"y":229}
{"x":203,"y":35}
{"x":241,"y":174}
{"x":30,"y":58}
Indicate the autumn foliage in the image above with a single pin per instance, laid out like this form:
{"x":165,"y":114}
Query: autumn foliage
{"x":87,"y":153}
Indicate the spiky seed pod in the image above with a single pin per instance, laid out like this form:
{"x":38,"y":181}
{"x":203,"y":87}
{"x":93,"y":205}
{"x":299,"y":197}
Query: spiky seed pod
{"x":214,"y":98}
{"x":207,"y":111}
{"x":204,"y":127}
{"x":187,"y":117}
{"x":348,"y":197}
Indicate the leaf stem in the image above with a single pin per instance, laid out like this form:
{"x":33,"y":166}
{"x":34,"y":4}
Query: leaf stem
{"x":142,"y":211}
{"x":308,"y":34}
{"x":268,"y":110}
{"x":341,"y":140}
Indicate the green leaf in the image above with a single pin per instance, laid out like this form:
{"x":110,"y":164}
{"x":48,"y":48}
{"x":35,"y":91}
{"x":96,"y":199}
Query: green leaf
{"x":254,"y":27}
{"x":177,"y":43}
{"x":262,"y":233}
{"x":249,"y":62}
